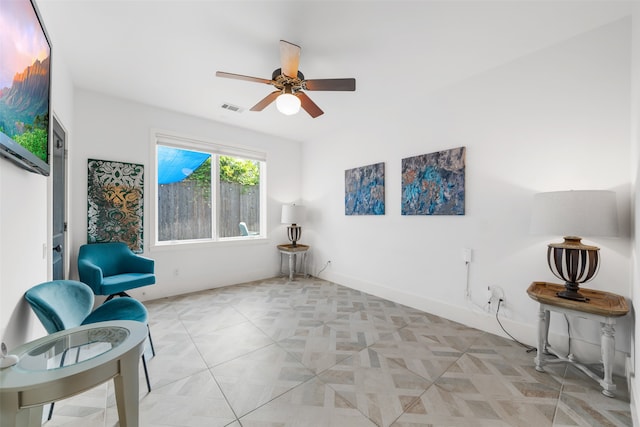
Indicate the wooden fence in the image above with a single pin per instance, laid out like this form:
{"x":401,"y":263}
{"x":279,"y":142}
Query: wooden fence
{"x":184,"y":210}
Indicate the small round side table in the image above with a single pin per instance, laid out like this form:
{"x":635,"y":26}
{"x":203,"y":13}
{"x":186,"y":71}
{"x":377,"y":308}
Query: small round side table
{"x":293,"y":251}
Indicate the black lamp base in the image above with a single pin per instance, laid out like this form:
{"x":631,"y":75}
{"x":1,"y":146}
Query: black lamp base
{"x":571,"y":292}
{"x":575,"y":263}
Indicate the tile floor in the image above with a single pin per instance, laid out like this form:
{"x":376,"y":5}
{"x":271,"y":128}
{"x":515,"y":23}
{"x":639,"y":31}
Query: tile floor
{"x":314,"y":353}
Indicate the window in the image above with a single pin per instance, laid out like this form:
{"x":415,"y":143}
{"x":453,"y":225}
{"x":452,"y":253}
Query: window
{"x":207,"y":192}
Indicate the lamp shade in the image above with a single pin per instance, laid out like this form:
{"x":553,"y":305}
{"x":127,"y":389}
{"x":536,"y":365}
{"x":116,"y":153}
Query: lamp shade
{"x":575,"y":213}
{"x":292,"y":214}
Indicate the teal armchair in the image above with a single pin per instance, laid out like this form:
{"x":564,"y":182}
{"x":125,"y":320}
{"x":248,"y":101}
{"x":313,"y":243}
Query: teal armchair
{"x":244,"y":230}
{"x":112,"y":269}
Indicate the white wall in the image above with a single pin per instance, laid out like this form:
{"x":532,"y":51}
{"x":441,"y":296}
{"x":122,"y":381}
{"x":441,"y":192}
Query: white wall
{"x":114,"y":129}
{"x":635,"y":174}
{"x":25,"y":225}
{"x":556,"y":119}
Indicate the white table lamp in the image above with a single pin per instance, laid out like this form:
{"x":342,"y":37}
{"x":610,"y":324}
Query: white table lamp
{"x":572,"y":214}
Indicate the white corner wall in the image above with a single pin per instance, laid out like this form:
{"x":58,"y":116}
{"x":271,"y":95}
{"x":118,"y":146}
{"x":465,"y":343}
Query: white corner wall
{"x":25,"y":225}
{"x":114,"y":129}
{"x":556,"y":119}
{"x":635,"y":230}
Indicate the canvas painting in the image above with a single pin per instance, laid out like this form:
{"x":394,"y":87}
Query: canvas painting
{"x":433,"y":184}
{"x":364,"y":190}
{"x":115,"y":199}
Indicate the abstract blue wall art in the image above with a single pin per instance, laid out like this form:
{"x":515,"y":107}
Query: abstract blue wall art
{"x":364,"y":190}
{"x":433,"y":184}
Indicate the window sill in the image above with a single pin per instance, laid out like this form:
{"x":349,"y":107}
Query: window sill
{"x":200,"y":244}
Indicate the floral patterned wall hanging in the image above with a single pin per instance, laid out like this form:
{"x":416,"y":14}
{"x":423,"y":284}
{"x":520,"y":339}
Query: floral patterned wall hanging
{"x":433,"y":184}
{"x":364,"y":190}
{"x":115,"y":203}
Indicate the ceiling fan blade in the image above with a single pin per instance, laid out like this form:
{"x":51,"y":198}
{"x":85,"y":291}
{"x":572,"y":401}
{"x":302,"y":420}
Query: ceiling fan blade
{"x":241,"y":77}
{"x":330,"y":84}
{"x":266,"y":101}
{"x":308,"y":105}
{"x":289,"y":58}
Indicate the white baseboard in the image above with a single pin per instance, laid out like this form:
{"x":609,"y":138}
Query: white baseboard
{"x":474,"y":317}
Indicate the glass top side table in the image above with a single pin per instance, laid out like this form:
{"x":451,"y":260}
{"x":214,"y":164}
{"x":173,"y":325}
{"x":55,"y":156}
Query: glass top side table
{"x":69,"y":362}
{"x":85,"y":345}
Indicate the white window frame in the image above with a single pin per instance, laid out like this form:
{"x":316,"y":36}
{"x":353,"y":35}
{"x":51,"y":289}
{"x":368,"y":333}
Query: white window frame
{"x":216,"y":149}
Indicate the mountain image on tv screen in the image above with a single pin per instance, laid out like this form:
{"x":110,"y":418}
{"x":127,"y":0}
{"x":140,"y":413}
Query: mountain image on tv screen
{"x":24,"y":77}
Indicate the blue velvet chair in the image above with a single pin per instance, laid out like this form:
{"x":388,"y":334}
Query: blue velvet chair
{"x":64,"y":304}
{"x":112,"y":269}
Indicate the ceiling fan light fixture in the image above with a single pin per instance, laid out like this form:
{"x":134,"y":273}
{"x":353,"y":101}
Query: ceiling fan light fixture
{"x":290,"y":84}
{"x":287,"y":103}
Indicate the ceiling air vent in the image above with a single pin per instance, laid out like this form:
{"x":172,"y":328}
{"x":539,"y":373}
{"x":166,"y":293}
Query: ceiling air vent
{"x":231,"y":107}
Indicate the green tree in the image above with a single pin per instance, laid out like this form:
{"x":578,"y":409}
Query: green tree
{"x":244,"y":172}
{"x":202,"y":175}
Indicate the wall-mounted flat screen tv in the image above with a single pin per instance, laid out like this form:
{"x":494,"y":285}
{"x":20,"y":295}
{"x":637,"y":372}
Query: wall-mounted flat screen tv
{"x":25,"y":82}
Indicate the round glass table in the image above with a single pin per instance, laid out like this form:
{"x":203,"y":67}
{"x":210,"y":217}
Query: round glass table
{"x":69,"y":362}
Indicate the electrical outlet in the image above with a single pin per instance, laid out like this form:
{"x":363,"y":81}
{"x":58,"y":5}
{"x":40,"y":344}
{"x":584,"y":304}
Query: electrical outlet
{"x":495,"y":295}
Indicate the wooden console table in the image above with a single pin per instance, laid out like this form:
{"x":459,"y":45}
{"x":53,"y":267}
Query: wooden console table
{"x":603,"y":307}
{"x":292,"y":252}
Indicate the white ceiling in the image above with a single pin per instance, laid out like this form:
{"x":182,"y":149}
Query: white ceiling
{"x":166,"y":53}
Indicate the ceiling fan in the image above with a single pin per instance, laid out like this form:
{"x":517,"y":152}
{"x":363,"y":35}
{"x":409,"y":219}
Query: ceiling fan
{"x":290,"y":84}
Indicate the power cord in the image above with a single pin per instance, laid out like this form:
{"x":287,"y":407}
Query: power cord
{"x":324,"y":268}
{"x":529,"y":348}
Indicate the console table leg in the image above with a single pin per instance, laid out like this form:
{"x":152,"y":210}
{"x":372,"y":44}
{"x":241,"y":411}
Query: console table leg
{"x":281,"y":272}
{"x":543,"y":332}
{"x":292,"y":261}
{"x":608,"y":346}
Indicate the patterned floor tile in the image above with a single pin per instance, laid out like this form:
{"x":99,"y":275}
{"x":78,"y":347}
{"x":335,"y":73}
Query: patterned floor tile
{"x":427,"y":360}
{"x":312,"y":404}
{"x":283,"y":324}
{"x":173,"y":347}
{"x":254,"y":308}
{"x":312,"y":353}
{"x":362,"y":327}
{"x":162,"y":309}
{"x":205,"y":320}
{"x":380,"y":390}
{"x":324,"y":309}
{"x":195,"y":401}
{"x":77,"y":416}
{"x":463,"y":402}
{"x":451,"y":335}
{"x":226,"y":344}
{"x":323,"y":347}
{"x":84,"y":410}
{"x":258,"y":377}
{"x":584,"y":404}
